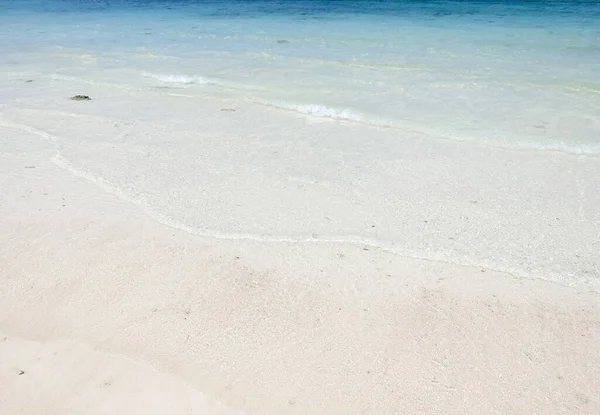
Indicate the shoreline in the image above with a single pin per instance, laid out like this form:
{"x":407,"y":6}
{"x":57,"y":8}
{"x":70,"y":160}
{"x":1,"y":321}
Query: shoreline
{"x":330,"y":181}
{"x":137,"y":82}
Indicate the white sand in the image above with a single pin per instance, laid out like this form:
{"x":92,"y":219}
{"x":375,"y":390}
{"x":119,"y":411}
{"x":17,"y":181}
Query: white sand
{"x":67,"y":377}
{"x":158,"y":255}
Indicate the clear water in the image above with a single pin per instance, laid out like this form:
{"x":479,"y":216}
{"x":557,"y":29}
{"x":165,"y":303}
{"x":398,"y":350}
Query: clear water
{"x":522,"y":74}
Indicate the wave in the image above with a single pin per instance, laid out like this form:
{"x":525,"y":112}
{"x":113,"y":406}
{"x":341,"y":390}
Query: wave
{"x":318,"y":110}
{"x":200,"y":80}
{"x":179,"y":79}
{"x":496,"y":139}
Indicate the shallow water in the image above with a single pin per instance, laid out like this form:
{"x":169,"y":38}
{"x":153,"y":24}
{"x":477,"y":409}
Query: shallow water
{"x":515,"y":74}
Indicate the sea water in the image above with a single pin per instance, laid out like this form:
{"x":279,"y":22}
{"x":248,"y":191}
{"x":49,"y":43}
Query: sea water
{"x":517,"y":74}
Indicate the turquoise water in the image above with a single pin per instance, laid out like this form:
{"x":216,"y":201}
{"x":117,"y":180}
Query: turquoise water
{"x":520,"y":74}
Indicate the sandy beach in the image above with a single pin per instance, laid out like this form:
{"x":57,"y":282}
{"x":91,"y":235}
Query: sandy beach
{"x":162,"y":254}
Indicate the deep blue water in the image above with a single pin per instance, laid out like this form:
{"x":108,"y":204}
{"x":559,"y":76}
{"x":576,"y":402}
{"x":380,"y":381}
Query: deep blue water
{"x":318,"y":7}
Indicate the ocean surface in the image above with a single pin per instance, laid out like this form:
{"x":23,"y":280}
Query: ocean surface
{"x":517,"y":74}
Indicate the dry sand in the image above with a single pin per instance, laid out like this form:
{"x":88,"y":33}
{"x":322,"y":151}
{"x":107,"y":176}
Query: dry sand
{"x":159,"y":255}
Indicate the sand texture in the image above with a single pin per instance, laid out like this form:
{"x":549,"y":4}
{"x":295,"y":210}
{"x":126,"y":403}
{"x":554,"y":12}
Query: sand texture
{"x":160,"y":255}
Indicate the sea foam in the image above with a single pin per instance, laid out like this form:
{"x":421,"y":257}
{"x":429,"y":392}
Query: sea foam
{"x":409,"y":129}
{"x":318,"y":110}
{"x":179,"y":79}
